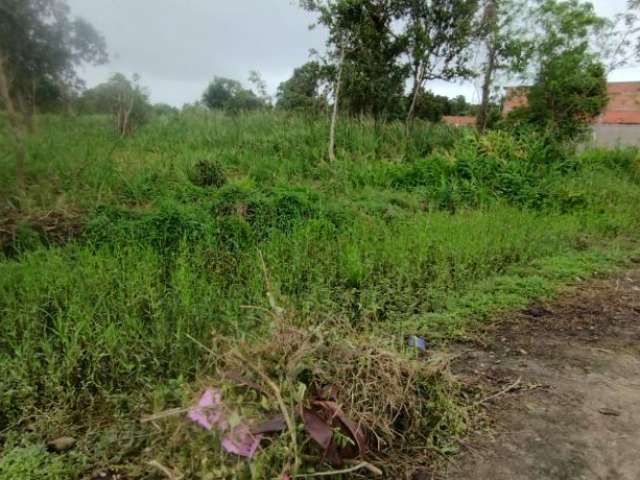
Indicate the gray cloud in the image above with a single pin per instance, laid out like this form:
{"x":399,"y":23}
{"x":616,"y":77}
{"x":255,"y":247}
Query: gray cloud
{"x":177,"y":46}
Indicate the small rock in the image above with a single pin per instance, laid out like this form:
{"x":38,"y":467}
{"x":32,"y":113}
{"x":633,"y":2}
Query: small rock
{"x":62,"y":444}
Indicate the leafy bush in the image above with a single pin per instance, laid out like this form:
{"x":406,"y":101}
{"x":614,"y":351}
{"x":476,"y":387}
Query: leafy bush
{"x":208,"y":173}
{"x":162,"y":229}
{"x":570,"y":91}
{"x":478,"y":169}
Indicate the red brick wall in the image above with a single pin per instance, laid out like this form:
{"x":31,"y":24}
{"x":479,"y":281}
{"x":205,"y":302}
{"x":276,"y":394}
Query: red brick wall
{"x":459,"y":120}
{"x":516,"y":97}
{"x":624,"y":97}
{"x":623,"y":107}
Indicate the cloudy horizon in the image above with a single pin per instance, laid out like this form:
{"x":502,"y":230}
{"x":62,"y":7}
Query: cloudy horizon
{"x":178,"y":47}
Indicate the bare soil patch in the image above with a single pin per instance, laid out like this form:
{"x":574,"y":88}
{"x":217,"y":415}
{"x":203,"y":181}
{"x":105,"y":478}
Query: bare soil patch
{"x":562,"y":384}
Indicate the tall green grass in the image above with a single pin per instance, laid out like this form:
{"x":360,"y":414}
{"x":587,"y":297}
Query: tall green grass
{"x":397,"y":234}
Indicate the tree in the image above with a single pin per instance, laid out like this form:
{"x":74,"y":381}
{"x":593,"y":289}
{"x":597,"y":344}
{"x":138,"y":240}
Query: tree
{"x":302,"y":90}
{"x":460,"y":106}
{"x":40,"y":43}
{"x":255,"y":79}
{"x":220,"y":92}
{"x":374,"y":74}
{"x":164,"y":109}
{"x":229,"y":95}
{"x":337,"y":45}
{"x":570,"y":91}
{"x":506,"y":45}
{"x":439,"y":34}
{"x":364,"y":56}
{"x":334,"y":113}
{"x":618,"y":43}
{"x":633,"y":9}
{"x":431,"y":107}
{"x":562,"y":26}
{"x":122,"y":98}
{"x":569,"y":77}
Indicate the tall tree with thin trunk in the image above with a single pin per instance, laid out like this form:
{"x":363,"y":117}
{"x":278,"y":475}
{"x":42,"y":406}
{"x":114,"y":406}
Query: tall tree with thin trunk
{"x":15,"y":123}
{"x":328,"y":15}
{"x":365,"y":49}
{"x":336,"y":101}
{"x":490,"y":23}
{"x":507,"y":46}
{"x":41,"y":43}
{"x":439,"y":34}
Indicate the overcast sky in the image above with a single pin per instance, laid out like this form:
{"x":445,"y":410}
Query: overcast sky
{"x":177,"y":46}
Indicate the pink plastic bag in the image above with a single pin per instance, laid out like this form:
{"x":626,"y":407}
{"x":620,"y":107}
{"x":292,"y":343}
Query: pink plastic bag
{"x":210,"y":414}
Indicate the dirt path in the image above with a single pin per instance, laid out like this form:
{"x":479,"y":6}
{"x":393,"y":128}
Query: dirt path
{"x":567,"y":377}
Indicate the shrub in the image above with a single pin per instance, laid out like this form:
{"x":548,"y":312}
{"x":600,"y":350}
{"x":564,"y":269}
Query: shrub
{"x":570,"y":91}
{"x":208,"y":173}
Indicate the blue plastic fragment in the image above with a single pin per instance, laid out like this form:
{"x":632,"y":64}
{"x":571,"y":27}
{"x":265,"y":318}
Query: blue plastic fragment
{"x":417,"y":342}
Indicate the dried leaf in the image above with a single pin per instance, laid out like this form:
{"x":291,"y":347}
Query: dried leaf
{"x":333,"y":410}
{"x":273,"y":425}
{"x":317,"y":428}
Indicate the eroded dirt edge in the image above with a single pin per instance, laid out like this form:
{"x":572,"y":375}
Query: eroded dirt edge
{"x":563,"y":383}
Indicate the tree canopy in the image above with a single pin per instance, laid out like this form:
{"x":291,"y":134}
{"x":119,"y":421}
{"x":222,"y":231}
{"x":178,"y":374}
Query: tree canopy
{"x":40,"y":48}
{"x":302,"y":90}
{"x":570,"y":87}
{"x":229,"y":95}
{"x":121,"y":97}
{"x":385,"y":44}
{"x":41,"y":45}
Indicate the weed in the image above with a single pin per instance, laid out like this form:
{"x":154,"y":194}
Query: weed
{"x":149,"y":250}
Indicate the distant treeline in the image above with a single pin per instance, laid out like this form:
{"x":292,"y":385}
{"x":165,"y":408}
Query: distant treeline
{"x":306,"y":91}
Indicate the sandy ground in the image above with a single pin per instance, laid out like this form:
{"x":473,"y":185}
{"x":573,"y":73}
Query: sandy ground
{"x":563,"y":389}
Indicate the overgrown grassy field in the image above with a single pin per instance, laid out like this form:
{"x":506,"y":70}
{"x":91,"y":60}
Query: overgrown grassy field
{"x":133,"y":271}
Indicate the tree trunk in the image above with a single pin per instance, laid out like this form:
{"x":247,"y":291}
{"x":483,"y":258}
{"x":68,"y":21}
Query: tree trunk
{"x":491,"y":21}
{"x":32,"y":108}
{"x":15,"y":124}
{"x":418,"y":79}
{"x":483,"y":112}
{"x":27,"y":110}
{"x":127,"y":115}
{"x":334,"y":115}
